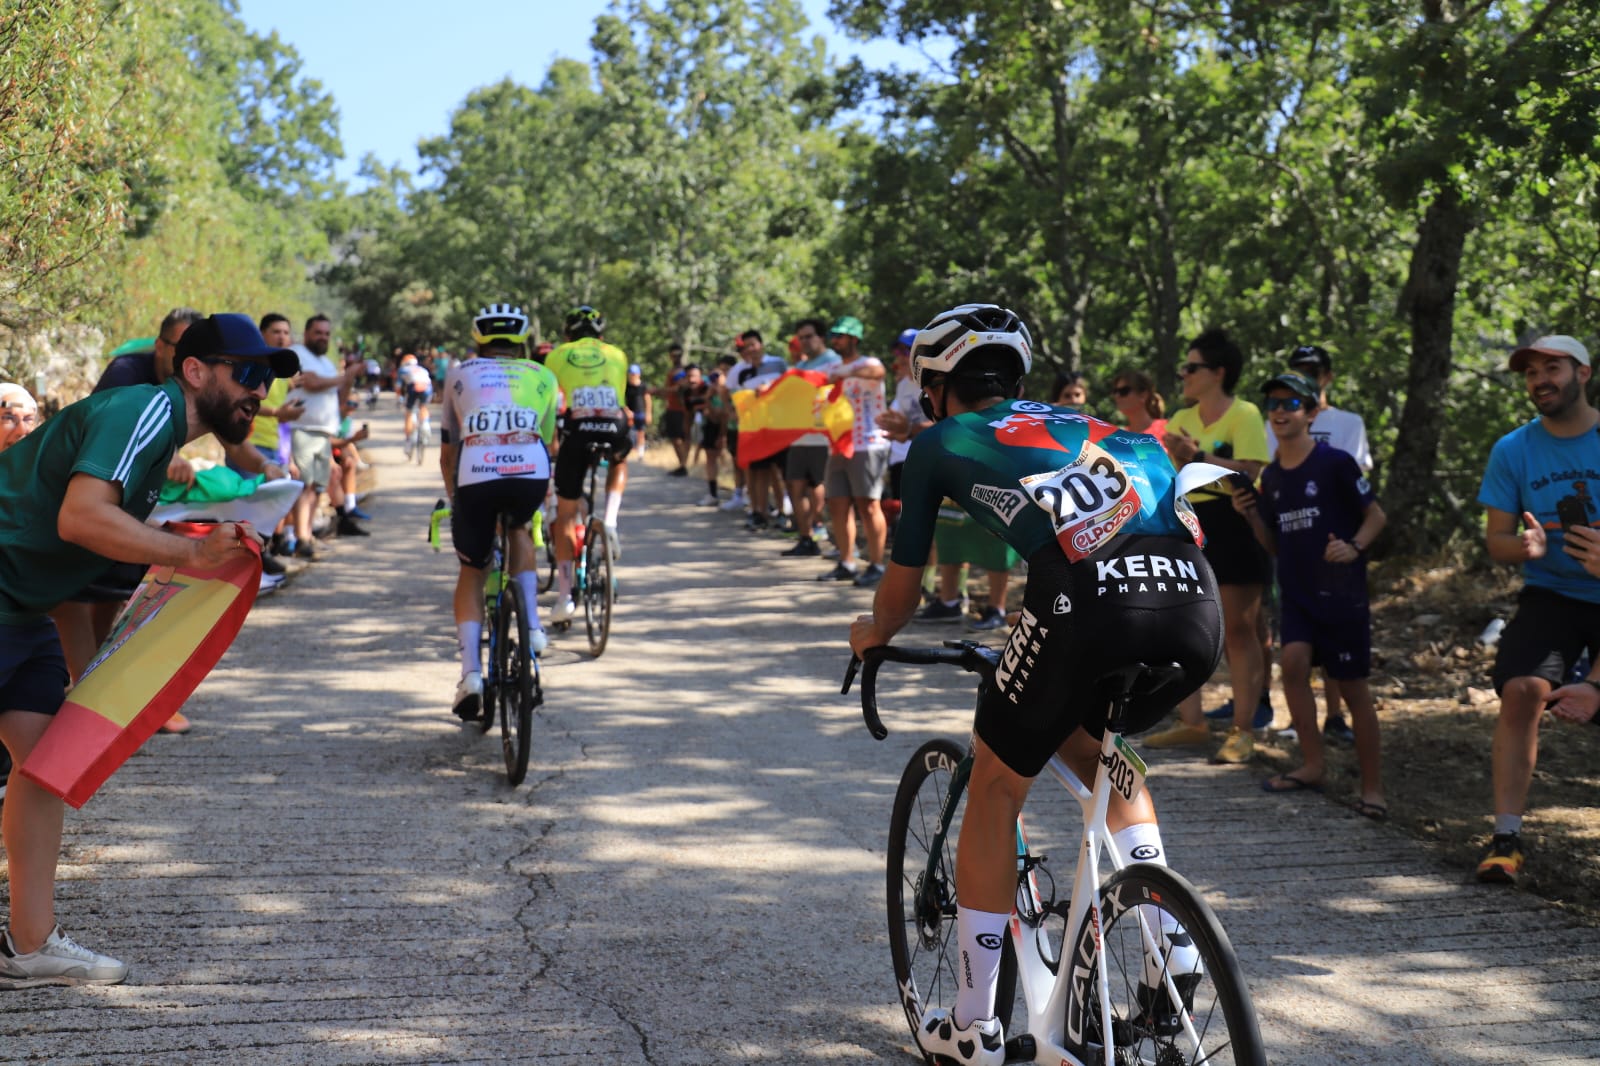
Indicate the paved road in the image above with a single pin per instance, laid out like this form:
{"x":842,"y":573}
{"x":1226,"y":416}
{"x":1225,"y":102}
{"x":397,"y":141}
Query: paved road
{"x":330,"y":869}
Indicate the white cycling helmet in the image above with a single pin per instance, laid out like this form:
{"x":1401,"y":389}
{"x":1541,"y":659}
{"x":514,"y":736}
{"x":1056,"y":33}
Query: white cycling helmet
{"x":500,"y":322}
{"x":953,"y":335}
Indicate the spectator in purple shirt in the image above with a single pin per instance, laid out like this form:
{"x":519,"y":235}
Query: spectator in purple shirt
{"x":1317,"y":514}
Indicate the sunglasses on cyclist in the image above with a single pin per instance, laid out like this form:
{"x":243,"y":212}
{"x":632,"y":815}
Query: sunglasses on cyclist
{"x":1194,"y":368}
{"x":250,"y":373}
{"x":1285,"y":403}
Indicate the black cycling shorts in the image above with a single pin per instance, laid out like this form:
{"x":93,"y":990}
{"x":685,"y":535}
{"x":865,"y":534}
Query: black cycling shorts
{"x":579,"y":437}
{"x":1150,"y":599}
{"x":476,"y":507}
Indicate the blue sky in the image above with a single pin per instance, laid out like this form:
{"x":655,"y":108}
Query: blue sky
{"x":398,"y":69}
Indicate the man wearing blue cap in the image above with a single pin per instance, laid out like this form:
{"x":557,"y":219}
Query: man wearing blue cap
{"x":74,"y":497}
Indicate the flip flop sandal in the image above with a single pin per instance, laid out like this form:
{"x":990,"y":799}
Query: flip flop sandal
{"x":1286,"y":784}
{"x":1377,"y":812}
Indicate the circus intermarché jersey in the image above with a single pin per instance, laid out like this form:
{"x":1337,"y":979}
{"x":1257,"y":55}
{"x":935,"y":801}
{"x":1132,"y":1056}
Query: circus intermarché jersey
{"x":501,"y":412}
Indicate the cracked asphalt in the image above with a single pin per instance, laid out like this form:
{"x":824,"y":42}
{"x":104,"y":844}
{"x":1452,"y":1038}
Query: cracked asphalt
{"x":330,"y":869}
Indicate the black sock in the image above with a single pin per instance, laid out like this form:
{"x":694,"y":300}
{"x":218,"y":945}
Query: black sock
{"x":711,"y":487}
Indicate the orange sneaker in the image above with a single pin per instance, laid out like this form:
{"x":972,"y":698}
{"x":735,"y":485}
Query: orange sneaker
{"x":176,"y":724}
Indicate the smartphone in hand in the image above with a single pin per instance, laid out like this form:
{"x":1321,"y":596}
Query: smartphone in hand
{"x":1572,"y":511}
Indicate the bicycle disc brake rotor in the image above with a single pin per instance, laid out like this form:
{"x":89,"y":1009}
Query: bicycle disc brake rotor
{"x":932,"y":903}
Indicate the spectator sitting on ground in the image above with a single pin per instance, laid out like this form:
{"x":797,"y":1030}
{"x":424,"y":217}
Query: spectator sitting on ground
{"x":1537,"y":474}
{"x":342,"y":485}
{"x":1317,"y":513}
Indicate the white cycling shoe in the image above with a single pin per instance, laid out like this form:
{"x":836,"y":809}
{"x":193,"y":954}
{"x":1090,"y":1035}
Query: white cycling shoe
{"x":469,"y":696}
{"x":564,"y":611}
{"x":538,"y":640}
{"x":980,"y":1044}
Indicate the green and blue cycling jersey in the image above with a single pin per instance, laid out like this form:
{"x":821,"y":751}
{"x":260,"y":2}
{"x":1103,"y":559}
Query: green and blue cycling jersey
{"x":1031,"y":473}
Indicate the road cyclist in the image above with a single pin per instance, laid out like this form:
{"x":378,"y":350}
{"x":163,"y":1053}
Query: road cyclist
{"x":499,"y":413}
{"x":1116,"y":578}
{"x":594,"y":425}
{"x":415,"y":386}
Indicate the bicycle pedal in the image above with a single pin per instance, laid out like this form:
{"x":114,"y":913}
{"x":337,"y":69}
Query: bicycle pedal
{"x":1022,"y":1047}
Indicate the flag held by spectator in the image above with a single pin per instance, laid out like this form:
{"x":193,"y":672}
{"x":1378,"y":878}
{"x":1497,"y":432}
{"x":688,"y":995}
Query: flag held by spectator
{"x":776,"y":415}
{"x":168,"y":637}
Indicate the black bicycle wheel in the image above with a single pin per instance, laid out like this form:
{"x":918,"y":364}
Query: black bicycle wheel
{"x":922,"y":911}
{"x":515,"y":673}
{"x":597,"y":587}
{"x":1196,"y":954}
{"x":421,"y":448}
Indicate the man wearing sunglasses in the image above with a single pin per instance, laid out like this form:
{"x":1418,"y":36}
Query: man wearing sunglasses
{"x":74,"y":496}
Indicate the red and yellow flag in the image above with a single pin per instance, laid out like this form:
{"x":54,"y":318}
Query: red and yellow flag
{"x":801,"y":401}
{"x":168,"y":637}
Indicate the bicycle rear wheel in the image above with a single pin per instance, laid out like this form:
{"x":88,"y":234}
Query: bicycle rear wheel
{"x":922,"y":911}
{"x":515,"y":671}
{"x":423,"y":433}
{"x":1195,"y":953}
{"x":598,"y":587}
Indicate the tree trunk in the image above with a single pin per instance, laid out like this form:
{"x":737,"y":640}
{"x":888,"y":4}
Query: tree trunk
{"x":1428,"y":300}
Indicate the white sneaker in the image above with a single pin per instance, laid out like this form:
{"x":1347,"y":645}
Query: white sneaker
{"x":59,"y":961}
{"x":407,"y":447}
{"x":269,"y":583}
{"x":979,"y":1044}
{"x":563,"y":611}
{"x":616,"y":542}
{"x":707,"y":500}
{"x":538,"y":640}
{"x":469,"y":696}
{"x":735,"y":503}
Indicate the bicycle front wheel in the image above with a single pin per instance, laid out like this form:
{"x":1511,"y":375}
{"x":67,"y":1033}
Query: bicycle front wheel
{"x":598,"y":587}
{"x":1205,"y":1017}
{"x":922,"y":893}
{"x":514,"y":669}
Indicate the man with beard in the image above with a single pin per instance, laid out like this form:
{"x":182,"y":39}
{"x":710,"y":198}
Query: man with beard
{"x":74,"y":496}
{"x":1542,"y":474}
{"x":317,"y":389}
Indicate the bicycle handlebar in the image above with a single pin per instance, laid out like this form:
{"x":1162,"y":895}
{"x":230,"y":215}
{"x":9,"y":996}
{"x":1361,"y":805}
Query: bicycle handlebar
{"x":971,"y":656}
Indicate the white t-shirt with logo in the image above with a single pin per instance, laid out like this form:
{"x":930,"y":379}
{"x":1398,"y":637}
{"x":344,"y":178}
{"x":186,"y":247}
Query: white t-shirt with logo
{"x":322,"y":407}
{"x":908,"y":401}
{"x":1342,"y":429}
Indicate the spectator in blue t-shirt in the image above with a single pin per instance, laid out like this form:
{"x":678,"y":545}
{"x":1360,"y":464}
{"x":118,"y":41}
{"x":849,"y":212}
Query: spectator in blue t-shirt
{"x":1317,"y":513}
{"x":1542,"y":474}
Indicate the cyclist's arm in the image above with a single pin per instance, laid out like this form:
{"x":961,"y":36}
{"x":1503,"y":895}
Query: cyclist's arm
{"x":447,"y":467}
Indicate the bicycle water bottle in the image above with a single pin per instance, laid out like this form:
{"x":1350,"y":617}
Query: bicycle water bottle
{"x":536,"y":530}
{"x":441,"y":512}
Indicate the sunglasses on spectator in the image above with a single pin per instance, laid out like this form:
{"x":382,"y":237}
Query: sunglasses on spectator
{"x":1285,"y":403}
{"x":1124,"y":390}
{"x":247,"y":372}
{"x":1194,"y":368}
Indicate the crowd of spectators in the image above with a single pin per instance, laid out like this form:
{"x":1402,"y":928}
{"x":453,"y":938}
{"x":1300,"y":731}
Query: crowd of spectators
{"x":1288,"y":533}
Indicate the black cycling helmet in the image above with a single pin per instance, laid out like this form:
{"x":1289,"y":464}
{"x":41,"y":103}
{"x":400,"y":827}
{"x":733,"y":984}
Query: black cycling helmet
{"x":585,"y":321}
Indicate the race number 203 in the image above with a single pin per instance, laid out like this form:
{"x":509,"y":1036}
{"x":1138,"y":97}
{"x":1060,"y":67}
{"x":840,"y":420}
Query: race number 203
{"x":1088,"y":500}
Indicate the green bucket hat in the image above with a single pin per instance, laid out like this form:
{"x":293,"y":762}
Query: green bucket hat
{"x":849,"y":326}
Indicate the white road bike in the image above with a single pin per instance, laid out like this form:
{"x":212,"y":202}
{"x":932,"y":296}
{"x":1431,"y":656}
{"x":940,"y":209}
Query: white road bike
{"x":1146,"y":959}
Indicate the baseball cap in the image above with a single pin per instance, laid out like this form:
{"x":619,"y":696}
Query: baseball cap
{"x":1294,"y":383}
{"x":1554,"y":344}
{"x":1311,"y":355}
{"x":236,"y":335}
{"x":848,"y":326}
{"x":633,"y":368}
{"x":907,"y":338}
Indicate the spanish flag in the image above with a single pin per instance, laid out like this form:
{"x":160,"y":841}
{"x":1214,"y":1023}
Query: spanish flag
{"x":801,"y":401}
{"x":168,"y":637}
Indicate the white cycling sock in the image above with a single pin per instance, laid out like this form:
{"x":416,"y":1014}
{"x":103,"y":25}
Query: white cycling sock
{"x":613,"y":508}
{"x":528,"y":582}
{"x":1141,"y":842}
{"x":981,"y":934}
{"x":469,"y":639}
{"x":564,"y":579}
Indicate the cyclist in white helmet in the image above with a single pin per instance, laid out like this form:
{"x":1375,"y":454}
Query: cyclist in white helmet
{"x":416,"y":389}
{"x":499,"y":412}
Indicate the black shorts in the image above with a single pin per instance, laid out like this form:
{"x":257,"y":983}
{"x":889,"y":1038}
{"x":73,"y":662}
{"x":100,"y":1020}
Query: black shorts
{"x":33,"y":671}
{"x":581,"y":437}
{"x":1236,"y":557}
{"x":417,"y":399}
{"x":1139,"y":599}
{"x":711,"y":436}
{"x":733,"y":444}
{"x":1545,"y":637}
{"x":477,"y":506}
{"x":807,"y":464}
{"x":672,"y":426}
{"x":774,"y":461}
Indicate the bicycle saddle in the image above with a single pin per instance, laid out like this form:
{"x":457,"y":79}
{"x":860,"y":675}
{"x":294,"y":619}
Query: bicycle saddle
{"x":1138,"y":678}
